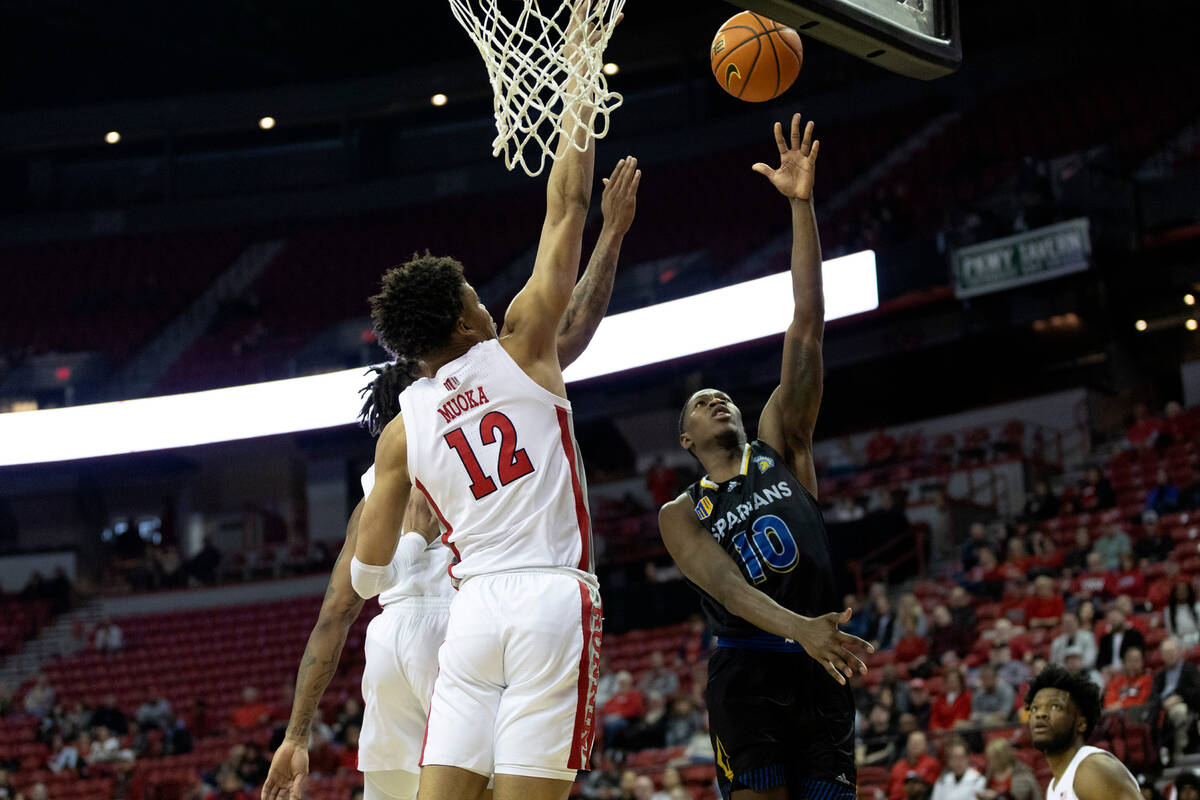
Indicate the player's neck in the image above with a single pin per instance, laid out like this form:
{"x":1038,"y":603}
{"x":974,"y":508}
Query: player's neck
{"x":454,"y":350}
{"x":1060,"y":761}
{"x":722,"y":460}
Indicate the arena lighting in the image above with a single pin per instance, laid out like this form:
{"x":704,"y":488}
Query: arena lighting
{"x":1141,"y":325}
{"x":746,"y":311}
{"x":112,"y":137}
{"x":266,"y":123}
{"x":1189,"y":299}
{"x":438,"y":99}
{"x":611,"y":69}
{"x":1190,"y":324}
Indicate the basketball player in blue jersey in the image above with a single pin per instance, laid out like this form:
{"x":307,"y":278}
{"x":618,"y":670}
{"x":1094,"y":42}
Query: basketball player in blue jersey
{"x":750,"y":538}
{"x":397,"y":779}
{"x":1063,"y":711}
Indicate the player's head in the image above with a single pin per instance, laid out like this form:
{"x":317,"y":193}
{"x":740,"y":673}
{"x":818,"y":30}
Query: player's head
{"x":709,"y":416}
{"x":426,"y":304}
{"x":382,"y":394}
{"x":1063,"y":709}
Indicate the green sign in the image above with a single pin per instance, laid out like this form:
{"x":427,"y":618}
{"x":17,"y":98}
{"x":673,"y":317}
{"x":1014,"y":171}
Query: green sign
{"x":1024,"y":258}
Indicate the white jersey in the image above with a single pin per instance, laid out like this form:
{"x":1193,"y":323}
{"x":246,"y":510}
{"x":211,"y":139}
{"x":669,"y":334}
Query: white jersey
{"x":428,"y":575}
{"x":495,"y":454}
{"x":1064,"y":788}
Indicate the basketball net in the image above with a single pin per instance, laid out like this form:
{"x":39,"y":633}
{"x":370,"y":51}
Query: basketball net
{"x":530,"y":59}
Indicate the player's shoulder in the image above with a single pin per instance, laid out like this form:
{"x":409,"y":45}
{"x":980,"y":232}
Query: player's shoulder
{"x":1102,"y":775}
{"x":676,"y":510}
{"x":392,"y":442}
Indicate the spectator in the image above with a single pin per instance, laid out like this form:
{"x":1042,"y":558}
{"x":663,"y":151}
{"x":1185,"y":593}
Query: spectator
{"x":904,"y":728}
{"x":1156,"y":543}
{"x":976,"y":541}
{"x":6,"y":702}
{"x":606,"y":687}
{"x":179,"y":738}
{"x":1046,"y":559}
{"x":1040,"y":505}
{"x":961,"y":610}
{"x":252,"y":768}
{"x":108,"y":637}
{"x":919,"y":703}
{"x":7,"y":792}
{"x":1077,"y":559}
{"x":1046,"y":606}
{"x":601,"y":782}
{"x":1073,"y":663}
{"x":1163,"y":497}
{"x":1176,"y":691}
{"x":910,"y":606}
{"x":106,"y":748}
{"x":682,"y":722}
{"x":1096,"y":493}
{"x":625,"y":707}
{"x":1130,"y":687}
{"x":662,"y":482}
{"x":202,"y":567}
{"x":39,"y":700}
{"x":658,"y":678}
{"x":916,"y":787}
{"x":946,"y":636}
{"x":1182,"y":614}
{"x":1128,"y":579}
{"x":154,"y":713}
{"x":844,"y":458}
{"x":1189,"y":498}
{"x":953,"y":708}
{"x":1111,"y":545}
{"x":987,"y":578}
{"x":625,"y":787}
{"x":38,"y":792}
{"x":992,"y":702}
{"x":1145,"y":430}
{"x":1120,"y":638}
{"x":881,"y":449}
{"x":1008,"y":778}
{"x":109,"y":716}
{"x":859,"y":624}
{"x":1187,"y":786}
{"x":916,"y":759}
{"x":252,"y":712}
{"x":1087,"y":616}
{"x":1010,"y":670}
{"x":911,"y":646}
{"x":960,"y":781}
{"x":876,"y":744}
{"x":643,"y":788}
{"x":671,"y":780}
{"x":350,"y":715}
{"x":699,"y":749}
{"x":65,"y":756}
{"x":230,"y":786}
{"x":1072,"y":636}
{"x":884,"y":628}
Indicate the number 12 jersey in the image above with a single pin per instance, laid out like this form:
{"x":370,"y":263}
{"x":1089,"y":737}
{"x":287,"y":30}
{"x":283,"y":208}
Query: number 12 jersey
{"x":771,"y":526}
{"x":495,"y":455}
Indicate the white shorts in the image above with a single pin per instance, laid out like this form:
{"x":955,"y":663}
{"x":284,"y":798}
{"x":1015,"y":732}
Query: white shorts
{"x":397,"y":684}
{"x":516,"y":694}
{"x":391,"y":785}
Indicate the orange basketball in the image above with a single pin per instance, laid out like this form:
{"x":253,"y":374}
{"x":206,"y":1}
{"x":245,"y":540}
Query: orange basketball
{"x":755,"y":58}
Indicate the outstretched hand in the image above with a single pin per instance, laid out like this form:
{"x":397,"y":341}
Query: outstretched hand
{"x":289,"y":768}
{"x":821,"y":639}
{"x":619,"y":200}
{"x":797,"y":162}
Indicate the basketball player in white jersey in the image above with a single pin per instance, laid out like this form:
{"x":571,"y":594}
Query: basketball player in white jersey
{"x":1063,"y":711}
{"x":487,"y":437}
{"x":401,"y":645}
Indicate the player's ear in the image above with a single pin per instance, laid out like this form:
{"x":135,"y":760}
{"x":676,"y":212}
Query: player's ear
{"x":685,"y":441}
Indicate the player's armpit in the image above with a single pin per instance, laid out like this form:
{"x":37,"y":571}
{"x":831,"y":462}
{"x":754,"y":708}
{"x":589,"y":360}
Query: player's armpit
{"x":383,"y":513}
{"x":1101,"y":777}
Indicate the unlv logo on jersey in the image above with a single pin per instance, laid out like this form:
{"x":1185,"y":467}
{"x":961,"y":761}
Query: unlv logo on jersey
{"x":450,"y":383}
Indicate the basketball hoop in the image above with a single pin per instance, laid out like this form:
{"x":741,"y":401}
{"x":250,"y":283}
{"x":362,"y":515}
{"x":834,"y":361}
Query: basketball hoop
{"x":530,"y":62}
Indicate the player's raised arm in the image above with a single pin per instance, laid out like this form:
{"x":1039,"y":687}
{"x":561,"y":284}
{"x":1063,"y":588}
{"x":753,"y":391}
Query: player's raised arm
{"x":705,"y":564}
{"x":589,"y":300}
{"x":533,"y":318}
{"x":790,"y":415}
{"x":372,"y":569}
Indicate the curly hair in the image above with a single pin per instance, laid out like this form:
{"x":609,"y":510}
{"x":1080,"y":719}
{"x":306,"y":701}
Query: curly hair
{"x":419,"y":302}
{"x":1085,"y":693}
{"x":382,"y":394}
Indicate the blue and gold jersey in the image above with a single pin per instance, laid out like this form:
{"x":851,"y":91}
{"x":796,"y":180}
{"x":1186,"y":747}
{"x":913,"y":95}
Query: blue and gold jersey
{"x":772,"y":527}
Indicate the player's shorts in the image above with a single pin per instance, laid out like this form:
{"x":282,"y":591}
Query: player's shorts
{"x":391,"y":785}
{"x":516,"y":694}
{"x":397,"y":683}
{"x":776,"y":718}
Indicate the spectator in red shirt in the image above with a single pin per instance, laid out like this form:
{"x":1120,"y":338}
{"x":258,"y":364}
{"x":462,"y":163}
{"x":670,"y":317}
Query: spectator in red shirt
{"x":1096,"y":493}
{"x":912,"y":645}
{"x":881,"y":449}
{"x":1044,"y":552}
{"x":252,"y":712}
{"x":348,"y":760}
{"x":625,"y":707}
{"x":1145,"y":430}
{"x":916,"y":759}
{"x":1093,"y":582}
{"x":662,"y":482}
{"x":953,"y":708}
{"x":1128,"y":579}
{"x":1130,"y":687}
{"x":1045,"y":608}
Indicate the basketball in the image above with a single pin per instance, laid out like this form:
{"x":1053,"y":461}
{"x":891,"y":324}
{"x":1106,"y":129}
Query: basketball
{"x":754,"y":58}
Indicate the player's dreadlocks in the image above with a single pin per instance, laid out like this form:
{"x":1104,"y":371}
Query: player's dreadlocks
{"x":382,"y":394}
{"x":1085,"y":693}
{"x":419,"y":302}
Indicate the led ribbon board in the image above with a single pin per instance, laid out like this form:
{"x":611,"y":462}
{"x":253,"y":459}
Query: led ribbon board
{"x":734,"y":314}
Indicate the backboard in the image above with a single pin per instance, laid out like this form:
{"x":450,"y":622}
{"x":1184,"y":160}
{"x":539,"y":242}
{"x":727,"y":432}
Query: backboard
{"x":918,"y":38}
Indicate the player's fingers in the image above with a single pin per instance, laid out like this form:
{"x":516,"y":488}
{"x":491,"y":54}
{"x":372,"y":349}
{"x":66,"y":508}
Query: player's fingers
{"x":805,"y":144}
{"x":851,"y":639}
{"x":637,"y":178}
{"x":297,"y":792}
{"x":796,"y":130}
{"x":834,"y":672}
{"x":856,"y":663}
{"x":812,"y":154}
{"x":762,"y":169}
{"x":630,"y":170}
{"x":779,"y":142}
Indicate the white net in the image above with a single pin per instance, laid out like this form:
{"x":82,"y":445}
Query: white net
{"x":531,"y":57}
